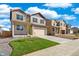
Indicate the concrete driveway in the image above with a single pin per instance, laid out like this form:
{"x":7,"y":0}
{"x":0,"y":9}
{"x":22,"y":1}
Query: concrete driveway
{"x":5,"y":49}
{"x":56,"y":39}
{"x":64,"y":49}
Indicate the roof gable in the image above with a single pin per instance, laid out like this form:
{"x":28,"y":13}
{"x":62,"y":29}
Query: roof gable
{"x":39,"y":14}
{"x":19,"y":11}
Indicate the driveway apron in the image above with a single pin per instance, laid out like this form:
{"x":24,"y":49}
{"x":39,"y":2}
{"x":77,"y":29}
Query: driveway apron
{"x":5,"y":49}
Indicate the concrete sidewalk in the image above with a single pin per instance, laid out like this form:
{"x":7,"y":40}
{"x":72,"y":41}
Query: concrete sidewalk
{"x":5,"y":49}
{"x":65,"y":49}
{"x":56,"y":39}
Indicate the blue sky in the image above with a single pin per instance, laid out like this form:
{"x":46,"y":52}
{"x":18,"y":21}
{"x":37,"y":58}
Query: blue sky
{"x":55,"y":11}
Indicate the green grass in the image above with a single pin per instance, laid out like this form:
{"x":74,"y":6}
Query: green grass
{"x":28,"y":45}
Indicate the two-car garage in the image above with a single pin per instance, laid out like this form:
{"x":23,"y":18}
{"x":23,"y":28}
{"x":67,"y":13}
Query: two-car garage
{"x":39,"y":31}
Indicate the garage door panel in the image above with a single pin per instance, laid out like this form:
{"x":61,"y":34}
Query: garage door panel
{"x":39,"y":31}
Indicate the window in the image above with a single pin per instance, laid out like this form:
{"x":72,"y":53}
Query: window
{"x":54,"y":24}
{"x":53,"y":29}
{"x":61,"y":24}
{"x":35,"y":20}
{"x":64,"y":25}
{"x":19,"y":17}
{"x":19,"y":27}
{"x":42,"y":21}
{"x":58,"y":24}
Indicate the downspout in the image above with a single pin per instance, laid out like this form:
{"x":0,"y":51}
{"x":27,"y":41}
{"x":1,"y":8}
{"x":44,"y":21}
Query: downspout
{"x":11,"y":19}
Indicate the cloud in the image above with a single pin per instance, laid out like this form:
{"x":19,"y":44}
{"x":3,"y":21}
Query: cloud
{"x":5,"y":9}
{"x":75,"y":10}
{"x":5,"y":29}
{"x":56,"y":5}
{"x":5,"y":15}
{"x":75,"y":26}
{"x":68,"y":17}
{"x":4,"y":21}
{"x":49,"y":14}
{"x":5,"y":24}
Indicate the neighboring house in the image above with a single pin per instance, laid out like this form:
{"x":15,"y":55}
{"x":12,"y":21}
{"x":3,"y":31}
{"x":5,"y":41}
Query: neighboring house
{"x":23,"y":24}
{"x":68,"y":29}
{"x":75,"y":30}
{"x":57,"y":27}
{"x":71,"y":31}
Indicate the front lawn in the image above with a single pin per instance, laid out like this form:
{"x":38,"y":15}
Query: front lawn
{"x":28,"y":45}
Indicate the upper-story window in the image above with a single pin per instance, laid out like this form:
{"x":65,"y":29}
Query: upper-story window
{"x":54,"y":24}
{"x":42,"y":21}
{"x":64,"y":25}
{"x":35,"y":20}
{"x":58,"y":24}
{"x":61,"y":24}
{"x":19,"y":17}
{"x":19,"y":27}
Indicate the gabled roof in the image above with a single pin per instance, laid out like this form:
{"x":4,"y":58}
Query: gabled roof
{"x":58,"y":21}
{"x":63,"y":21}
{"x":19,"y":10}
{"x":26,"y":13}
{"x":39,"y":14}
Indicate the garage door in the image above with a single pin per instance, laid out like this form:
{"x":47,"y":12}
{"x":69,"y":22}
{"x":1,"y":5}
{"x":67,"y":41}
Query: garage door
{"x":63,"y":31}
{"x":38,"y":31}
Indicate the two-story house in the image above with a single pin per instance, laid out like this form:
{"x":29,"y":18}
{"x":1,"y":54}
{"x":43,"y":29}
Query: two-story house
{"x":56,"y":27}
{"x":23,"y":24}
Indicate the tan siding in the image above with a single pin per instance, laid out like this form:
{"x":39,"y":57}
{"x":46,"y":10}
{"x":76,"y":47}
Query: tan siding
{"x":25,"y":17}
{"x":25,"y":22}
{"x":18,"y":32}
{"x":13,"y":16}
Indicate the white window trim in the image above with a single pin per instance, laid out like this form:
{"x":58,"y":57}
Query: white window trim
{"x":20,"y":27}
{"x":42,"y":20}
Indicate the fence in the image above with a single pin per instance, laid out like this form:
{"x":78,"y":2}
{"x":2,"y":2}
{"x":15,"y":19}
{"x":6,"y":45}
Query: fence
{"x":5,"y":34}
